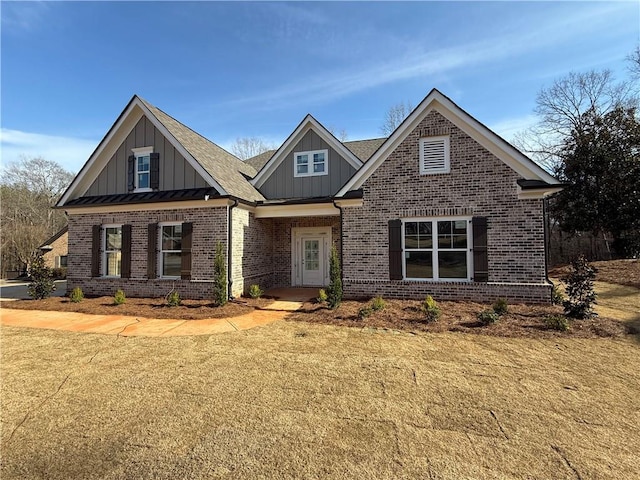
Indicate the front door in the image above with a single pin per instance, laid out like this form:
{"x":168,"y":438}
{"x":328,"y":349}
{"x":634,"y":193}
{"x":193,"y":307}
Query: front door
{"x":312,"y":261}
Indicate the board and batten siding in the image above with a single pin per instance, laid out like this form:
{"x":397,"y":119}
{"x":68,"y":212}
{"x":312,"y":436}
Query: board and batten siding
{"x":283,"y":184}
{"x":175,"y":172}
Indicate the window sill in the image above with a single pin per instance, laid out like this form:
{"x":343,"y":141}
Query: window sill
{"x":143,"y":190}
{"x":302,"y":175}
{"x":440,"y":280}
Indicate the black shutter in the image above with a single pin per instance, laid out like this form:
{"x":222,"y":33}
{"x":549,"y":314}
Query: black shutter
{"x":154,"y":181}
{"x":185,"y":271}
{"x":480,"y":260}
{"x":95,"y":250}
{"x":152,"y":255}
{"x":131,"y":183}
{"x":395,"y":249}
{"x":126,"y":252}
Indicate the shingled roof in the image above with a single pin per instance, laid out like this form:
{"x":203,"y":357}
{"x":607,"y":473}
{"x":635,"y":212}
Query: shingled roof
{"x":229,"y":171}
{"x":363,"y":149}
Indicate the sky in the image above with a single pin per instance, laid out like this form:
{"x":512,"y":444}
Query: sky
{"x":243,"y":69}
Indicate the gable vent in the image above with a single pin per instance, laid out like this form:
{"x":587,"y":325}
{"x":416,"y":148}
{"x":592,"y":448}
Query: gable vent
{"x":434,"y":155}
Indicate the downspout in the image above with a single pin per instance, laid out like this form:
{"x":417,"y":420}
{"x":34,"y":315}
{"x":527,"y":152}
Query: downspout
{"x":341,"y":244}
{"x":229,"y":247}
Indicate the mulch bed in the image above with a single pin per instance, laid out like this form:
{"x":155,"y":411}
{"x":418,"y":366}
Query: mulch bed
{"x":621,"y":272}
{"x":143,"y":307}
{"x":520,"y":321}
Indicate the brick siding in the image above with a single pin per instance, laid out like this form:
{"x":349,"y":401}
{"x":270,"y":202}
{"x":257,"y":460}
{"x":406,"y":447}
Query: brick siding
{"x":209,"y":228}
{"x":59,"y":249}
{"x":479,"y":184}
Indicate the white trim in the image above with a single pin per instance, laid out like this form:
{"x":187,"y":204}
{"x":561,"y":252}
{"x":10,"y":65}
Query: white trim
{"x":446,"y":167}
{"x":350,"y":202}
{"x":434,"y":249}
{"x":140,"y":151}
{"x":297,"y":233}
{"x":159,"y":259}
{"x":311,"y":164}
{"x":308,"y":123}
{"x":112,"y":141}
{"x":143,"y":207}
{"x":435,"y":100}
{"x":304,"y":210}
{"x":537,"y":193}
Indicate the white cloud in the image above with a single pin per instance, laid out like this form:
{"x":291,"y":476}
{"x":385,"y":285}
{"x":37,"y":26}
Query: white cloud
{"x":69,"y":152}
{"x":508,"y":127}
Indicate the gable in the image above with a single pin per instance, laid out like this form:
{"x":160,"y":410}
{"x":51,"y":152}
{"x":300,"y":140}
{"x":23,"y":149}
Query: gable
{"x":283,"y":182}
{"x":175,"y":173}
{"x":519,"y":163}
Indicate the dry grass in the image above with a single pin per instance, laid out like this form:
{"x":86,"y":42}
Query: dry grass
{"x":620,"y":272}
{"x":296,"y":400}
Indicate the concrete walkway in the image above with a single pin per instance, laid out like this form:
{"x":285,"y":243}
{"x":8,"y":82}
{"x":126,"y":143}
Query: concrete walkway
{"x":286,"y":301}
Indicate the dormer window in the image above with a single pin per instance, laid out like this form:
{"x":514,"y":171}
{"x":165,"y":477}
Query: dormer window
{"x":312,"y":163}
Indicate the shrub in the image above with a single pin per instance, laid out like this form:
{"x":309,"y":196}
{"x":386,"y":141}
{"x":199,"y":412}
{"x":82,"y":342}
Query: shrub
{"x":431,"y":309}
{"x":334,"y":292}
{"x":42,"y":285}
{"x":322,"y":296}
{"x":119,"y":298}
{"x":364,"y":312}
{"x":59,"y":273}
{"x":377,"y":303}
{"x":173,"y":299}
{"x":557,"y":297}
{"x":220,"y":277}
{"x":580,"y":291}
{"x":557,"y":322}
{"x":77,"y":295}
{"x":500,"y":306}
{"x":487,"y":317}
{"x":255,"y":291}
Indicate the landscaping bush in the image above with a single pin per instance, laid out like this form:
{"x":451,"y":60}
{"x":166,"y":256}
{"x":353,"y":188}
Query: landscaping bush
{"x":487,"y":317}
{"x":500,"y":306}
{"x":255,"y":291}
{"x":557,"y":297}
{"x":322,"y":296}
{"x":77,"y":295}
{"x":42,"y":285}
{"x":220,"y":277}
{"x":557,"y":322}
{"x":173,"y":299}
{"x":119,"y":298}
{"x":377,"y":303}
{"x":60,"y":273}
{"x":364,"y":312}
{"x":580,"y":292}
{"x":334,"y":292}
{"x":431,"y":309}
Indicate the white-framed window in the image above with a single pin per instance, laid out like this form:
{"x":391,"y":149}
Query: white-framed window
{"x":142,"y":169}
{"x":170,"y":258}
{"x":434,"y":155}
{"x":437,"y":249}
{"x":112,"y":250}
{"x":61,"y":261}
{"x":312,"y":163}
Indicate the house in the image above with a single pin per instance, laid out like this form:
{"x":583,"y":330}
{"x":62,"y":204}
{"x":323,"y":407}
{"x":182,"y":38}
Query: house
{"x":443,"y":206}
{"x":55,"y":249}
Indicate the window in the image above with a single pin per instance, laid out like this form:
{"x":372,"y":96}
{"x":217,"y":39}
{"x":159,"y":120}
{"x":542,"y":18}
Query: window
{"x":112,"y":251}
{"x":61,"y":261}
{"x":170,"y":250}
{"x":142,"y":169}
{"x":434,"y":155}
{"x":437,"y":249}
{"x":308,"y":164}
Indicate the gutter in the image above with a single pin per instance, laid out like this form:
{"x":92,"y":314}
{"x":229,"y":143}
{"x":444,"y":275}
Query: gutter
{"x":229,"y":246}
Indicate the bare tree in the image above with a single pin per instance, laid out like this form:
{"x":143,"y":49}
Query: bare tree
{"x":341,"y":134}
{"x":561,"y":111}
{"x":394,"y":117}
{"x":634,"y":63}
{"x":247,"y":147}
{"x":28,"y":190}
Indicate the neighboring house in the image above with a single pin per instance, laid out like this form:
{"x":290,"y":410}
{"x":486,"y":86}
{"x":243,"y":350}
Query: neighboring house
{"x":55,"y":249}
{"x":443,"y":206}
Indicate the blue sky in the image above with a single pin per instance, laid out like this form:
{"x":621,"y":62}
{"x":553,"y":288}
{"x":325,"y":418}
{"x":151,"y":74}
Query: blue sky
{"x":239,"y":69}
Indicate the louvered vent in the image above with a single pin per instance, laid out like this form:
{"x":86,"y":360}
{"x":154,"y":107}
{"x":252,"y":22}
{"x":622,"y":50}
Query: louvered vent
{"x":434,"y":155}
